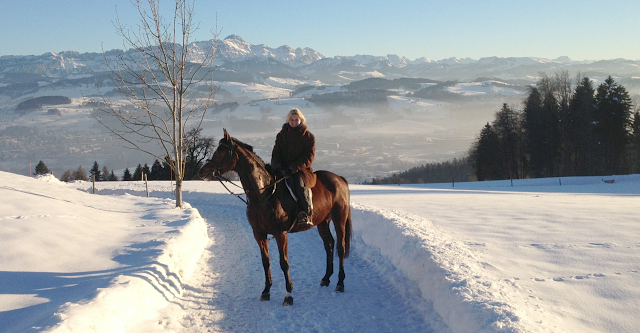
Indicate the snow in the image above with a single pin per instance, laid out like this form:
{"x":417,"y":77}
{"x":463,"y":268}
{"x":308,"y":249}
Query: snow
{"x":537,"y":255}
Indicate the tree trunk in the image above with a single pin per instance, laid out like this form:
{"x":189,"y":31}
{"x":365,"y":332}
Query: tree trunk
{"x":179,"y":193}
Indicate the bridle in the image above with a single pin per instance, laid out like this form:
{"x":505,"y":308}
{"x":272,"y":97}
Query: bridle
{"x":216,"y":174}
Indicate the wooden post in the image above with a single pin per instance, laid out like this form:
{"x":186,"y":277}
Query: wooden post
{"x":93,"y":179}
{"x":146,"y":182}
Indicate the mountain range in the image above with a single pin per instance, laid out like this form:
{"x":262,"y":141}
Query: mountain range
{"x":373,"y":115}
{"x":233,"y":54}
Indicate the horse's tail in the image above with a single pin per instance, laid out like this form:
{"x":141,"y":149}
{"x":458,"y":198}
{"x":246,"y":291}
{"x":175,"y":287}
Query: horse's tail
{"x":347,"y":234}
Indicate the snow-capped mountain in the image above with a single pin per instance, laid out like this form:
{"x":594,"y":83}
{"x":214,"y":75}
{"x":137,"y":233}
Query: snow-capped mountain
{"x":235,"y":53}
{"x":234,"y":48}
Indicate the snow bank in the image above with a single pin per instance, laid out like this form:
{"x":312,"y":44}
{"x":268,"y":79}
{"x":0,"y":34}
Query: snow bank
{"x":446,"y":271}
{"x":138,"y":296}
{"x":76,"y":262}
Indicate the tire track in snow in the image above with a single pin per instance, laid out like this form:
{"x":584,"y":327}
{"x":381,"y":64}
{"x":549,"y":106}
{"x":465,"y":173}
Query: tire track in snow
{"x":222,"y":296}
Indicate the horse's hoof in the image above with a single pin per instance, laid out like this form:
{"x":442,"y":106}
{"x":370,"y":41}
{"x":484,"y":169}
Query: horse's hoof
{"x":340,"y":288}
{"x":265,"y":297}
{"x":288,"y":301}
{"x":324,"y":283}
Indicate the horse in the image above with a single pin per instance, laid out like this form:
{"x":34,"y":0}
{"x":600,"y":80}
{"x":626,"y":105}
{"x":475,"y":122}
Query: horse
{"x":272,"y":211}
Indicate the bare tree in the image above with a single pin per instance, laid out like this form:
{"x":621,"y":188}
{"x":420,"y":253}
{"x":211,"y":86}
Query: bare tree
{"x":161,"y":78}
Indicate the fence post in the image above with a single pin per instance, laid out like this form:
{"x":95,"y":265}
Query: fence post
{"x":93,"y":180}
{"x":146,"y":183}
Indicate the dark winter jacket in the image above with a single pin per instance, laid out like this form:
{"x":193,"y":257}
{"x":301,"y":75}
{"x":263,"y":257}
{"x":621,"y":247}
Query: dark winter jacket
{"x":295,"y":149}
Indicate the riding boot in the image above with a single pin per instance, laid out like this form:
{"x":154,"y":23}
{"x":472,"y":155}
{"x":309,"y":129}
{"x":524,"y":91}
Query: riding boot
{"x":305,"y":201}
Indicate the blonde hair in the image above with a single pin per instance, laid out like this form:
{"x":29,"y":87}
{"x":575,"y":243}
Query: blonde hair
{"x":298,"y":113}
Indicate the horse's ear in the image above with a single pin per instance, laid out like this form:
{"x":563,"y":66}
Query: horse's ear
{"x":226,"y":134}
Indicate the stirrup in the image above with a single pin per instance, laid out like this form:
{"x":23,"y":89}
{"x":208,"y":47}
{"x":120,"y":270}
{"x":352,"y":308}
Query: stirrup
{"x":303,"y":219}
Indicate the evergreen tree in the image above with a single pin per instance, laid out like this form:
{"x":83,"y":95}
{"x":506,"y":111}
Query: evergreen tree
{"x":127,"y":175}
{"x":580,"y":141}
{"x":532,"y":125}
{"x":613,"y":122}
{"x":543,"y":122}
{"x":634,"y":147}
{"x":137,"y":173}
{"x":94,"y":173}
{"x":146,"y":170}
{"x":485,"y":155}
{"x":507,"y":128}
{"x":41,"y":169}
{"x":112,"y":177}
{"x":562,"y":92}
{"x":550,"y":128}
{"x":157,"y":171}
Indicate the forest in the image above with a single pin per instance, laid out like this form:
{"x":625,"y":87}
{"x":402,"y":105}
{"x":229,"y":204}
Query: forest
{"x":561,"y":130}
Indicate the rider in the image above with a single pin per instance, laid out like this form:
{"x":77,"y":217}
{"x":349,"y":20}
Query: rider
{"x":292,"y":156}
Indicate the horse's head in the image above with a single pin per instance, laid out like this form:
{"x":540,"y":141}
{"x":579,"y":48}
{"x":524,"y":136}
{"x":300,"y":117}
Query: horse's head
{"x":224,"y":159}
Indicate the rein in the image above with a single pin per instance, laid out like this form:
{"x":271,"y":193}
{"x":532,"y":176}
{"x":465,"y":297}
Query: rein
{"x":237,"y":195}
{"x":220,"y":178}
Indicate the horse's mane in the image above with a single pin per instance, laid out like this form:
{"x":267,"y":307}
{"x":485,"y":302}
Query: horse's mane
{"x":257,"y":158}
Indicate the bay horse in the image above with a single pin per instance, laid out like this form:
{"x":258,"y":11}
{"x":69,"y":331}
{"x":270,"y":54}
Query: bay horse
{"x":272,"y":211}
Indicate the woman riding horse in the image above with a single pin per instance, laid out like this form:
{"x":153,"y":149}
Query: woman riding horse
{"x":292,"y":156}
{"x":270,"y":209}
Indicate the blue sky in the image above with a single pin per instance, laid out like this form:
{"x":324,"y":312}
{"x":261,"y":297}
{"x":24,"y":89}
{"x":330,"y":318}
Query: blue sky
{"x":584,"y":29}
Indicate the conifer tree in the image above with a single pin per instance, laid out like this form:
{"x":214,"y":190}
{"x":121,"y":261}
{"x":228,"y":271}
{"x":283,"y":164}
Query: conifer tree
{"x":486,"y":157}
{"x":550,"y":127}
{"x":613,"y":123}
{"x":41,"y":169}
{"x":112,"y":177}
{"x":146,"y":170}
{"x":94,"y":173}
{"x":507,"y":128}
{"x":580,"y":141}
{"x":634,"y":147}
{"x":137,"y":173}
{"x":127,"y":175}
{"x":156,"y":171}
{"x":532,"y":125}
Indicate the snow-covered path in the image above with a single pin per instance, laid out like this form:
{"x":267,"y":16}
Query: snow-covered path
{"x":222,"y":295}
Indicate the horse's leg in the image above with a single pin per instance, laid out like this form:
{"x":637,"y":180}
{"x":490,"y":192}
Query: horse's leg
{"x":327,"y":238}
{"x":263,"y":243}
{"x":283,"y":248}
{"x":341,"y":216}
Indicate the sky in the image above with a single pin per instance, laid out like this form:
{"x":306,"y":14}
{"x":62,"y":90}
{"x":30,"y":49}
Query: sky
{"x":581,"y":30}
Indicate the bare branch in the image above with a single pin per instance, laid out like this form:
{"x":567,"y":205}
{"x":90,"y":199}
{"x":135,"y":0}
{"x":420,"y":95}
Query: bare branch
{"x":157,"y":77}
